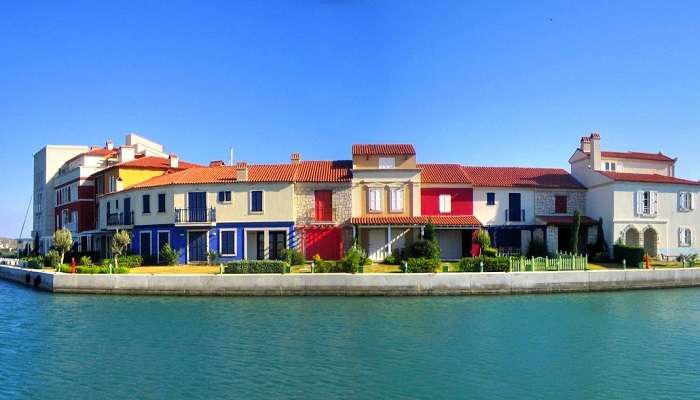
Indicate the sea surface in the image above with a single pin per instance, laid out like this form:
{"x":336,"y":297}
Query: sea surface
{"x":621,"y":345}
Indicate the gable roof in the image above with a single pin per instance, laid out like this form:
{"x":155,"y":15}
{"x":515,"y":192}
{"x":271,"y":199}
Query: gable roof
{"x":304,"y":171}
{"x":646,"y":178}
{"x":635,"y":155}
{"x":383,"y":149}
{"x":549,"y":178}
{"x":443,"y":173}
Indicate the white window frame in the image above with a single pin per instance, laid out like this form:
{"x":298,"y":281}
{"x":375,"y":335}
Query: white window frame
{"x":112,"y":184}
{"x":686,"y":201}
{"x":685,"y":237}
{"x":235,"y":242}
{"x":611,"y":166}
{"x":396,"y":197}
{"x":445,"y":203}
{"x":158,"y":242}
{"x":642,"y":209}
{"x":387,"y":162}
{"x":250,"y":201}
{"x":374,"y":205}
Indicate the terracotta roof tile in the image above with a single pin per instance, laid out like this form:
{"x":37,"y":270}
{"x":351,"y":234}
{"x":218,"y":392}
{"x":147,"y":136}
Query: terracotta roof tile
{"x":324,"y":171}
{"x":383,"y":149}
{"x":441,"y":220}
{"x":635,"y":155}
{"x":646,"y":178}
{"x":550,"y":178}
{"x":443,"y":173}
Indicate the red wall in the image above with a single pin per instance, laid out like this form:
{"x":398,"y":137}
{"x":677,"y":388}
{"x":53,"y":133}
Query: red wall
{"x":86,"y":214}
{"x":462,"y":201}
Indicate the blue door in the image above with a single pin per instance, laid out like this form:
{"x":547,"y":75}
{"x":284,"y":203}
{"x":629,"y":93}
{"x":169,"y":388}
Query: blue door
{"x":127,"y":211}
{"x":514,"y":210}
{"x":197,"y":206}
{"x":197,"y":246}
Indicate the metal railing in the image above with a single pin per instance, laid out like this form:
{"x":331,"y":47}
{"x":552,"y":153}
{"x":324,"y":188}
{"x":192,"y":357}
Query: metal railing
{"x":116,"y":219}
{"x":195,"y":215}
{"x":519,"y":218}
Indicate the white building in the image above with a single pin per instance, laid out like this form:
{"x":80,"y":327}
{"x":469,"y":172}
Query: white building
{"x":641,"y":201}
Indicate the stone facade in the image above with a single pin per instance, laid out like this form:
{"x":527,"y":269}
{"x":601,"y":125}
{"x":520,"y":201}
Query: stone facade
{"x":544,"y":201}
{"x":552,"y":239}
{"x":305,"y":205}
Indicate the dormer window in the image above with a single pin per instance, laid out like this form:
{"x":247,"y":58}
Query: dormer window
{"x":387,"y":162}
{"x":610,"y":166}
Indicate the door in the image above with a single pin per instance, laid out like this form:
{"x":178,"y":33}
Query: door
{"x":450,"y":241}
{"x":145,"y":244}
{"x":324,"y":205}
{"x":377,"y":244}
{"x":163,"y":239}
{"x":197,"y":246}
{"x":197,"y":206}
{"x":278,"y":242}
{"x":326,"y":242}
{"x":563,"y":239}
{"x":127,"y":211}
{"x":260,"y":242}
{"x":514,"y":210}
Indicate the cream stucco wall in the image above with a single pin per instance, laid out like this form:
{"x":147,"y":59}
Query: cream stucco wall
{"x":496,"y":214}
{"x":372,"y":162}
{"x":640,"y":166}
{"x":362,"y":180}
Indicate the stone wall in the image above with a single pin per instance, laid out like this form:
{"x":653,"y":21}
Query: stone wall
{"x":544,"y":201}
{"x":305,"y":205}
{"x":552,"y":239}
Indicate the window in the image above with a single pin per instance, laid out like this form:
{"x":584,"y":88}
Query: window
{"x":227,"y":242}
{"x":256,"y":201}
{"x":685,"y":237}
{"x":225,"y":196}
{"x":116,"y":204}
{"x":323,"y":204}
{"x":375,"y":200}
{"x":396,"y":196}
{"x":647,"y":202}
{"x":490,"y":199}
{"x":146,"y":203}
{"x":445,"y":203}
{"x":99,"y":183}
{"x":161,"y":202}
{"x":387,"y":162}
{"x":686,"y":200}
{"x":560,"y":204}
{"x":112,"y":184}
{"x":610,"y":166}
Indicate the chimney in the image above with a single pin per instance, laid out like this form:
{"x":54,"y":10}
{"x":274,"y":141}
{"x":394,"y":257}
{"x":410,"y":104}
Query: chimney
{"x":173,"y":161}
{"x":596,"y":159}
{"x":216,"y":163}
{"x":585,"y":144}
{"x":109,"y":145}
{"x":126,"y":153}
{"x":295,"y":158}
{"x":242,"y":171}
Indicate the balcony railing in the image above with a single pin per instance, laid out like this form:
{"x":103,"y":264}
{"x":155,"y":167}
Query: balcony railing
{"x":515,"y":216}
{"x":120,"y":219}
{"x":333,"y":218}
{"x":195,"y":215}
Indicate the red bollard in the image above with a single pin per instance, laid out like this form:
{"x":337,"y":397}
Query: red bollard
{"x":73,"y":268}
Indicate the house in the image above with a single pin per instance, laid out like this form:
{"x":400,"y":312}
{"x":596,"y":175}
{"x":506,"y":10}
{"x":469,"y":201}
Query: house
{"x":641,"y":201}
{"x":516,"y":204}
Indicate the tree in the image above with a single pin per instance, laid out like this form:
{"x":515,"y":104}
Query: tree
{"x":120,"y":241}
{"x":35,"y":250}
{"x":62,"y":241}
{"x":483,"y":239}
{"x":575,"y":229}
{"x":429,"y":232}
{"x":600,"y":245}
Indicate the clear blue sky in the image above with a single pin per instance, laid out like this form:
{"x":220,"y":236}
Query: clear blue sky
{"x":496,"y":83}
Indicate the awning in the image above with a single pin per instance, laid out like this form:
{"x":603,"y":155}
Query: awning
{"x":564,"y":220}
{"x":464,"y":221}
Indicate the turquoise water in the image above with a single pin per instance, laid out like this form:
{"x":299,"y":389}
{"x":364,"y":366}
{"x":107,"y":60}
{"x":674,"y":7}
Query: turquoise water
{"x":635,"y":345}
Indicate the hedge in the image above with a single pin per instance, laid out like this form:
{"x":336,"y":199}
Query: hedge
{"x":93,"y":269}
{"x":491,"y":264}
{"x":422,"y":264}
{"x":132,"y":261}
{"x":324,"y":267}
{"x":256,"y":267}
{"x":633,"y":255}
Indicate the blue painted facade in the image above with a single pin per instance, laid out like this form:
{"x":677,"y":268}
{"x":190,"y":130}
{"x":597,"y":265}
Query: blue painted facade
{"x":178,"y":237}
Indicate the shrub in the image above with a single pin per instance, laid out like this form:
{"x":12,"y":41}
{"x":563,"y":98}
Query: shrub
{"x":85,"y":261}
{"x":52,"y":259}
{"x":537,"y":248}
{"x":211,"y":257}
{"x":491,"y":264}
{"x":575,"y":229}
{"x":489,"y":252}
{"x":34,"y":262}
{"x":317,"y":259}
{"x":483,"y":239}
{"x":168,"y":255}
{"x":292,"y":256}
{"x":94,"y":269}
{"x":429,"y":232}
{"x":633,"y":255}
{"x":417,"y":265}
{"x":424,"y":249}
{"x":333,"y":267}
{"x":354,"y":257}
{"x":391,"y":260}
{"x":131,"y":261}
{"x":255,"y":267}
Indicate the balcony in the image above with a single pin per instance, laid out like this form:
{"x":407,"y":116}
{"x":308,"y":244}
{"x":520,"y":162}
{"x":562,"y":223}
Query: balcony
{"x":321,"y":219}
{"x":515,"y":216}
{"x":195,"y":215}
{"x":120,"y":219}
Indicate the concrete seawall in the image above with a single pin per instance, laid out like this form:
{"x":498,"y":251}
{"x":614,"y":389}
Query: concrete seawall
{"x":356,"y":285}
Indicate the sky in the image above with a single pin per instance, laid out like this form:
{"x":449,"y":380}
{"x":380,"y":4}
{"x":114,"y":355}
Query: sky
{"x":479,"y":83}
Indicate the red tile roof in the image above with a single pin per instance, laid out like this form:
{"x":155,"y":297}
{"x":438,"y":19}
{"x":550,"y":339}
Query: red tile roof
{"x":565,"y":220}
{"x":304,"y":171}
{"x":646,"y":178}
{"x":441,"y":220}
{"x":152,"y":162}
{"x":383,"y":149}
{"x":549,"y":178}
{"x":635,"y":155}
{"x":443,"y":173}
